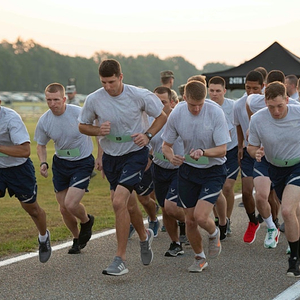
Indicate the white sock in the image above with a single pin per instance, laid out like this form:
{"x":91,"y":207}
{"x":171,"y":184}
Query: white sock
{"x":202,"y":255}
{"x":214,"y":234}
{"x":269,"y":222}
{"x":43,"y":238}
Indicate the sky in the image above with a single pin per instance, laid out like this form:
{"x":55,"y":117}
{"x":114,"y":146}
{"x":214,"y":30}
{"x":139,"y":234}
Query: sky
{"x":230,"y":32}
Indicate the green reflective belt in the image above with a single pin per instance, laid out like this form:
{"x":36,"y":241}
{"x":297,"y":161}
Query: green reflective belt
{"x":203,"y":160}
{"x":68,"y":152}
{"x":160,"y":156}
{"x":2,"y":154}
{"x":119,"y":139}
{"x":285,"y":163}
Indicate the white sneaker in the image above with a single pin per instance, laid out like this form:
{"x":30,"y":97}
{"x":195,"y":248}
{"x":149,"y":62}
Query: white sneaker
{"x":271,"y":239}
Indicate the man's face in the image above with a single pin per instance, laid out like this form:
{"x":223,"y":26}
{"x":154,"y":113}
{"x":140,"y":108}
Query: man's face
{"x":253,"y":87}
{"x":71,"y":95}
{"x":113,"y":85}
{"x":289,"y":87}
{"x":165,"y":101}
{"x":56,"y":102}
{"x":278,"y":106}
{"x":194,"y":106}
{"x":216,"y":93}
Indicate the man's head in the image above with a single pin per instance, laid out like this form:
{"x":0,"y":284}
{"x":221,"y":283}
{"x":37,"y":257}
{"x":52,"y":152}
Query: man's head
{"x":263,"y":72}
{"x":55,"y":97}
{"x":254,"y":83}
{"x":276,"y":99}
{"x":200,"y":78}
{"x":216,"y":89}
{"x":291,"y":84}
{"x":111,"y":77}
{"x":167,"y":78}
{"x":70,"y":91}
{"x":275,"y":75}
{"x":194,"y":95}
{"x":298,"y":87}
{"x":165,"y":95}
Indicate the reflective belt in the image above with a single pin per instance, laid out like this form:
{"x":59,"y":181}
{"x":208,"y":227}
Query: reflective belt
{"x":2,"y":154}
{"x":119,"y":139}
{"x":160,"y":156}
{"x":68,"y":152}
{"x":285,"y":163}
{"x":203,"y":160}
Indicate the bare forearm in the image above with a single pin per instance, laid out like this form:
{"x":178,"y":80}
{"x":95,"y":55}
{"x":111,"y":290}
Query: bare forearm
{"x":16,"y":150}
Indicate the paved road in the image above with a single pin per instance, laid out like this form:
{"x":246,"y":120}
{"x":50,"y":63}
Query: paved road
{"x":241,"y":272}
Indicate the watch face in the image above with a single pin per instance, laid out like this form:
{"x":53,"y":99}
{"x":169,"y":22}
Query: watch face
{"x":149,"y":135}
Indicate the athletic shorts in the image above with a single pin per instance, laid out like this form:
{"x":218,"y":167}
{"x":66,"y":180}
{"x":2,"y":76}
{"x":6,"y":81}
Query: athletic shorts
{"x":126,"y":170}
{"x":72,"y":173}
{"x":165,"y":184}
{"x":200,"y":184}
{"x":247,"y":164}
{"x":232,"y":164}
{"x":145,"y":187}
{"x":282,"y":176}
{"x":19,"y":181}
{"x":261,"y":168}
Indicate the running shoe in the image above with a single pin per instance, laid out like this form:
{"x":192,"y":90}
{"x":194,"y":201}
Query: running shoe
{"x":146,"y":251}
{"x":174,"y":250}
{"x":45,"y":249}
{"x":154,"y":225}
{"x":293,"y":270}
{"x":288,"y":250}
{"x":163,"y":228}
{"x":271,"y":239}
{"x":75,"y":247}
{"x":117,"y":267}
{"x":223,"y":230}
{"x":282,"y":227}
{"x":85,"y":232}
{"x":229,"y":232}
{"x":131,"y":231}
{"x":214,"y":245}
{"x":250,"y":234}
{"x":260,"y":218}
{"x":198,"y":265}
{"x":184,"y":240}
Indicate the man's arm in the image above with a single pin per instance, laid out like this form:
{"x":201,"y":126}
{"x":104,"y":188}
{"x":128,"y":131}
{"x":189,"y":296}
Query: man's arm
{"x":22,"y":150}
{"x":93,"y":130}
{"x":168,"y":152}
{"x":42,"y":155}
{"x":256,"y":152}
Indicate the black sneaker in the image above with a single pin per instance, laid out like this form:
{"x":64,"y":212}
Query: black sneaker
{"x":260,"y":219}
{"x":45,"y":249}
{"x":75,"y":247}
{"x":174,"y":250}
{"x":276,"y":222}
{"x":293,"y":270}
{"x":223,"y":231}
{"x":85,"y":232}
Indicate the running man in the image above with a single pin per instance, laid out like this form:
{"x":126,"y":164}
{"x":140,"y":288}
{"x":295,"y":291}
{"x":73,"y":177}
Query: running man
{"x":17,"y":174}
{"x":278,"y":141}
{"x":202,"y":172}
{"x":121,"y":111}
{"x":72,"y":163}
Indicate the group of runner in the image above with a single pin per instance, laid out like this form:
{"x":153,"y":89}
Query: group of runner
{"x":189,"y":153}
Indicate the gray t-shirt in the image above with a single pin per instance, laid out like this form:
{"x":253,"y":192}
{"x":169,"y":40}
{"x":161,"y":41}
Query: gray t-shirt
{"x":279,"y":137}
{"x":127,"y":114}
{"x":206,"y":130}
{"x":63,"y":130}
{"x":12,"y":132}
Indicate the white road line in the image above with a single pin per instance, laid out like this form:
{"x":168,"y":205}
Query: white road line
{"x":291,"y":293}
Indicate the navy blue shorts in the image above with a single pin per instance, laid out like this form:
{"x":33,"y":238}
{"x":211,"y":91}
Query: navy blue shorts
{"x":72,"y":173}
{"x":232,"y":164}
{"x":247,"y":164}
{"x":126,"y":170}
{"x":261,"y":168}
{"x":165,"y":184}
{"x":282,"y":176}
{"x":200,"y":184}
{"x":145,"y":187}
{"x":19,"y":181}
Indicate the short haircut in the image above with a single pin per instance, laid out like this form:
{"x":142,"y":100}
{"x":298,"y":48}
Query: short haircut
{"x":163,"y":89}
{"x":217,"y":80}
{"x":298,"y":84}
{"x":200,"y":78}
{"x":275,"y":75}
{"x":55,"y":87}
{"x":109,"y":68}
{"x":174,"y":96}
{"x":263,"y":72}
{"x":293,"y":79}
{"x":255,"y":76}
{"x":275,"y":89}
{"x":195,"y":90}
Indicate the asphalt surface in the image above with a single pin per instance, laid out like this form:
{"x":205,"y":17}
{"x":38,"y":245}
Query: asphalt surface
{"x":241,"y":271}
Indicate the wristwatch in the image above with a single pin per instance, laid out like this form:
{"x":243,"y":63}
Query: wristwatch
{"x":148,"y":135}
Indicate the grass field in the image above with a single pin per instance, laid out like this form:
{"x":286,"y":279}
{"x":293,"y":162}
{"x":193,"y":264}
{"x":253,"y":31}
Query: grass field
{"x":17,"y":231}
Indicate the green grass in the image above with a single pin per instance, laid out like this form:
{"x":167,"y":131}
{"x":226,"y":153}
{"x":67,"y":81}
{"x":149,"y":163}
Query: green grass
{"x":18,"y":232}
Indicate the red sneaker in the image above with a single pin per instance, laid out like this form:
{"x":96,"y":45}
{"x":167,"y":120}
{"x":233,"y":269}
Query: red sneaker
{"x":250,"y":234}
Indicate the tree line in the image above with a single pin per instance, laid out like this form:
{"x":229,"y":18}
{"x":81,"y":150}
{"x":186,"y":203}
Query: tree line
{"x":28,"y":66}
